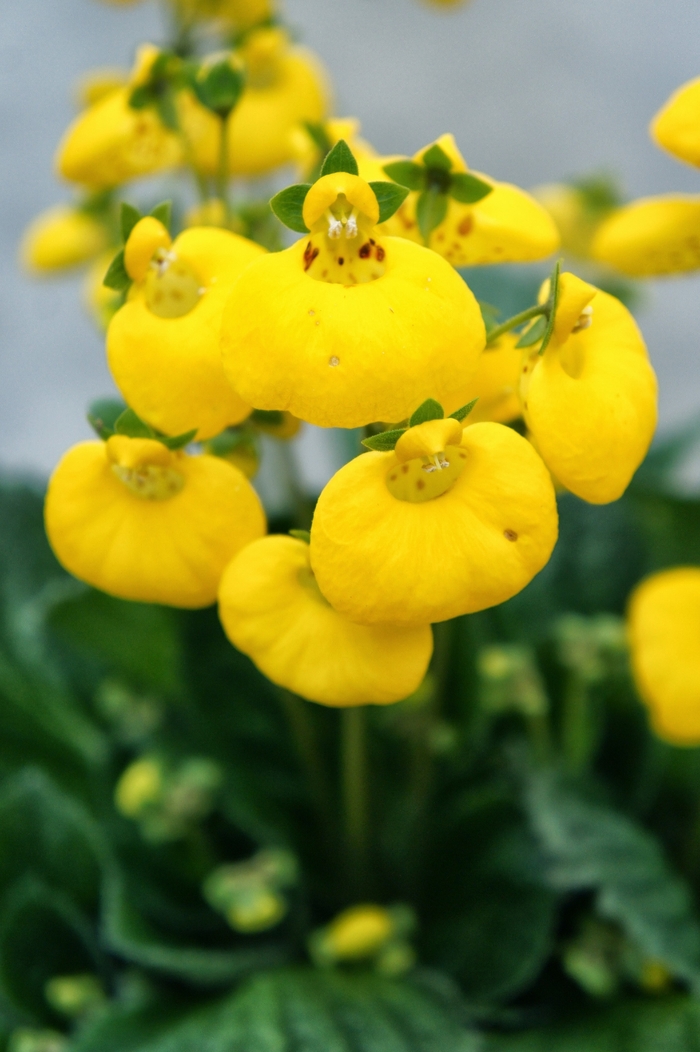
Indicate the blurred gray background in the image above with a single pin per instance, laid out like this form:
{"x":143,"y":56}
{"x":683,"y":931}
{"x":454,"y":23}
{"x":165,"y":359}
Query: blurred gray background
{"x":534,"y":90}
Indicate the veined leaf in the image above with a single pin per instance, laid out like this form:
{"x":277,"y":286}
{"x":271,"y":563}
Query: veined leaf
{"x":288,"y":206}
{"x":533,"y":333}
{"x":116,"y":277}
{"x":431,"y":209}
{"x":435,"y":157}
{"x":385,"y":441}
{"x":390,"y":196}
{"x":163,"y":213}
{"x":340,"y":159}
{"x":429,"y":410}
{"x":103,"y":414}
{"x":133,"y":426}
{"x":129,"y":217}
{"x":406,"y":173}
{"x":468,"y":188}
{"x":463,"y":413}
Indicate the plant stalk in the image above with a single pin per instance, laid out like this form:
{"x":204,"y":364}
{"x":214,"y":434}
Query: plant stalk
{"x":222,"y":171}
{"x":355,"y":794}
{"x":517,"y":319}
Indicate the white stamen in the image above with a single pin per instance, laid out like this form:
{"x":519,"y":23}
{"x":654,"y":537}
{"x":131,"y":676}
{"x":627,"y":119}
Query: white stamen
{"x":351,"y":225}
{"x":335,"y":227}
{"x":585,"y":319}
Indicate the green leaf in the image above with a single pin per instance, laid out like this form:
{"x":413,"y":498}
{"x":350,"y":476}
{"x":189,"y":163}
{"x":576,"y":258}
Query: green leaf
{"x":590,"y":846}
{"x":463,"y":413}
{"x":553,"y":302}
{"x":103,"y":414}
{"x":406,"y":173}
{"x":128,"y":218}
{"x":431,"y":209}
{"x":534,"y":332}
{"x":167,"y":111}
{"x":220,"y":88}
{"x":133,"y":426}
{"x":468,"y":189}
{"x":436,"y":157}
{"x":178,"y":441}
{"x":141,"y":97}
{"x":319,"y":135}
{"x":390,"y":197}
{"x":288,"y":206}
{"x":340,"y":159}
{"x":429,"y":410}
{"x":301,"y":535}
{"x":385,"y":441}
{"x":116,"y":277}
{"x":267,"y":417}
{"x":163,"y":213}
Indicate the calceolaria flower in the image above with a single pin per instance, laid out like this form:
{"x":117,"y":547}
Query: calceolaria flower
{"x":141,"y":521}
{"x":312,"y":142}
{"x":590,"y":399}
{"x":467,"y":217}
{"x":111,"y":142}
{"x":273,"y":610}
{"x":578,"y":208}
{"x":163,"y":344}
{"x":664,"y":629}
{"x":284,"y":86}
{"x":62,"y":237}
{"x":676,"y":127}
{"x":347,"y":327}
{"x":496,"y":382}
{"x":447,"y":523}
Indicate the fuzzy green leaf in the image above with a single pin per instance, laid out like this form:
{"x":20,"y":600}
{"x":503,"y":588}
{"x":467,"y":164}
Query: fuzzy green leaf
{"x":463,"y":413}
{"x":553,"y":303}
{"x":133,"y":426}
{"x":534,"y":332}
{"x":406,"y":173}
{"x":128,"y":218}
{"x":431,"y":209}
{"x":385,"y":441}
{"x":288,"y":206}
{"x":436,"y":157}
{"x":390,"y":197}
{"x":178,"y":441}
{"x":340,"y":159}
{"x":468,"y":189}
{"x":163,"y":213}
{"x":103,"y":414}
{"x":116,"y":277}
{"x":429,"y":410}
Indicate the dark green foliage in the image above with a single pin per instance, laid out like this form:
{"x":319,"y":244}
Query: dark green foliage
{"x":288,"y":206}
{"x":339,"y":159}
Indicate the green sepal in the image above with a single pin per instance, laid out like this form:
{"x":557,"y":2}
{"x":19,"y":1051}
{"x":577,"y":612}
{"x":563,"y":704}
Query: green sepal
{"x":129,"y":216}
{"x":167,"y":111}
{"x":131,"y":425}
{"x":340,"y":159}
{"x":288,"y":206}
{"x":232,"y":438}
{"x":116,"y":277}
{"x":140,"y":97}
{"x":552,"y":303}
{"x":385,"y":441}
{"x":163,"y":213}
{"x":301,"y":535}
{"x":406,"y":173}
{"x":490,"y":314}
{"x":436,"y":157}
{"x":177,"y":441}
{"x":429,"y":410}
{"x":220,"y":88}
{"x":390,"y":197}
{"x":103,"y":414}
{"x":463,"y":413}
{"x":267,"y":417}
{"x":317,"y":131}
{"x":468,"y":189}
{"x":431,"y":209}
{"x":534,"y":333}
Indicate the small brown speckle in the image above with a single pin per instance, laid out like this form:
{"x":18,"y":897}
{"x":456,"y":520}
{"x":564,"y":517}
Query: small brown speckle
{"x":510,"y":535}
{"x":340,"y":261}
{"x":309,"y":255}
{"x":404,"y":468}
{"x":372,"y":241}
{"x":380,"y":254}
{"x":365,"y":250}
{"x":420,"y":484}
{"x":439,"y":237}
{"x":324,"y":274}
{"x":392,"y":478}
{"x":465,"y":227}
{"x":462,"y":456}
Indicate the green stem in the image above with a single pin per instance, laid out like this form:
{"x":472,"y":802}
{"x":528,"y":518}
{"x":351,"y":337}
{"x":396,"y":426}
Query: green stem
{"x":539,"y":734}
{"x":222,"y":172}
{"x":576,"y":725}
{"x":305,"y":739}
{"x":517,"y":319}
{"x":355,"y":794}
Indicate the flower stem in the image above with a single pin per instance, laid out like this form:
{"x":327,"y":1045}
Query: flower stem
{"x":355,"y":794}
{"x":222,"y":172}
{"x":305,"y":739}
{"x":576,"y":725}
{"x":517,"y":319}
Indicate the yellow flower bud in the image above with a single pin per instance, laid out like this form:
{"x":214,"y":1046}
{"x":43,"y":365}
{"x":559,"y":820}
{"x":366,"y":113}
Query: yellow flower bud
{"x":664,"y":628}
{"x":381,"y":555}
{"x":495,"y":382}
{"x":140,"y":785}
{"x":163,"y":344}
{"x":145,"y":239}
{"x":344,"y":327}
{"x":676,"y":127}
{"x":256,"y":909}
{"x":506,"y":226}
{"x":590,"y":399}
{"x":358,"y":932}
{"x":272,"y":610}
{"x":62,"y":237}
{"x":132,"y":518}
{"x":652,"y":236}
{"x":74,"y":995}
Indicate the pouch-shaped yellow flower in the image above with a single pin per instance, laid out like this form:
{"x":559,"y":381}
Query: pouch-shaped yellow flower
{"x":141,"y":522}
{"x":664,"y":630}
{"x":62,"y":237}
{"x":496,"y":383}
{"x":163,"y":344}
{"x":506,"y":226}
{"x":676,"y":127}
{"x":310,"y":144}
{"x":449,"y":523}
{"x":346,"y":327}
{"x":272,"y":609}
{"x":284,"y":86}
{"x":110,"y":143}
{"x":652,"y":236}
{"x":590,"y":399}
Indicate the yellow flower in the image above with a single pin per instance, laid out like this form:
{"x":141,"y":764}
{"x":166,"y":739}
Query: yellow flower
{"x":358,"y":932}
{"x":141,"y":522}
{"x":676,"y":127}
{"x":578,"y":210}
{"x":97,"y":84}
{"x":652,"y":236}
{"x":309,"y":153}
{"x":496,"y":383}
{"x":102,"y":303}
{"x":271,"y":609}
{"x":241,"y":14}
{"x":590,"y":399}
{"x":345,"y":327}
{"x":110,"y":142}
{"x":140,"y":785}
{"x":163,"y":344}
{"x":506,"y":226}
{"x":664,"y":629}
{"x":385,"y":548}
{"x":285,"y":86}
{"x":62,"y":237}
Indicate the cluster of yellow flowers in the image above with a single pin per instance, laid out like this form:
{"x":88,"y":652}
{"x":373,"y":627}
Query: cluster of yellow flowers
{"x":363,"y":321}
